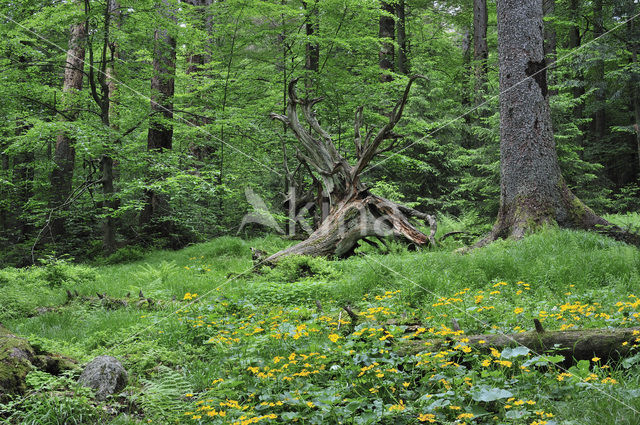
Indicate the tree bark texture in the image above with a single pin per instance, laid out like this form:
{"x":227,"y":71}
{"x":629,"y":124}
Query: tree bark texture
{"x":532,"y":190}
{"x":386,"y":33}
{"x":64,"y":155}
{"x":480,"y":46}
{"x":549,"y":10}
{"x":354,"y":212}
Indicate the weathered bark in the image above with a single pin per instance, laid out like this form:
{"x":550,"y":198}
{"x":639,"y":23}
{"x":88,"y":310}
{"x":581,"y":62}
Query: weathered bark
{"x":480,"y":47}
{"x":573,"y":344}
{"x":533,"y":192}
{"x":160,"y":134}
{"x":64,"y":155}
{"x":402,"y":61}
{"x":386,"y":33}
{"x":354,"y":212}
{"x":549,"y":9}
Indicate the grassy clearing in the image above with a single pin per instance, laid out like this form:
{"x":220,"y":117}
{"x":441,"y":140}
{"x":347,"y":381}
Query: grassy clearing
{"x":235,"y":348}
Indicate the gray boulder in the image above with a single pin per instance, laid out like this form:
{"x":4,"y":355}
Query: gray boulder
{"x":105,"y":375}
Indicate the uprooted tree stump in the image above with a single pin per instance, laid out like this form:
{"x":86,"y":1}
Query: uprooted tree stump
{"x":354,"y":212}
{"x":582,"y":344}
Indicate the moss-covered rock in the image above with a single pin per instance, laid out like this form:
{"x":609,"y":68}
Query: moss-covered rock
{"x":18,"y":358}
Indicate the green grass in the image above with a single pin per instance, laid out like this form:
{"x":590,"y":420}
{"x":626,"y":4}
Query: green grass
{"x":215,"y":347}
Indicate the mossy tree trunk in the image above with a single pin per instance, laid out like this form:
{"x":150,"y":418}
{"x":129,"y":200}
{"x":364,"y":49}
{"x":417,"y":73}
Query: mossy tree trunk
{"x":354,"y":212}
{"x":533,"y":192}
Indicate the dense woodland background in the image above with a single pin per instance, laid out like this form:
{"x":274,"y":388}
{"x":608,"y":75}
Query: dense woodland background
{"x":144,"y":122}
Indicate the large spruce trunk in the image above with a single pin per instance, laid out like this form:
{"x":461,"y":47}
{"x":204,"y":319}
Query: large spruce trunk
{"x":354,"y":212}
{"x":533,"y":191}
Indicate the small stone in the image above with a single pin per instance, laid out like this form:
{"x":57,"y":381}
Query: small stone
{"x":106,"y":375}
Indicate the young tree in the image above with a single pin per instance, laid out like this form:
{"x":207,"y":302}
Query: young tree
{"x":533,"y":191}
{"x":355,"y":213}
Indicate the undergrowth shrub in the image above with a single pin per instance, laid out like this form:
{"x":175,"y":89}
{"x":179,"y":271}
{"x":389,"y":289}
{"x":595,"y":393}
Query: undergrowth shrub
{"x":298,"y":267}
{"x":164,"y":395}
{"x":128,"y":254}
{"x":225,"y":247}
{"x":59,"y":271}
{"x":52,"y":400}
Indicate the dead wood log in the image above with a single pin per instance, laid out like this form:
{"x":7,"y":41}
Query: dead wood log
{"x":584,"y":344}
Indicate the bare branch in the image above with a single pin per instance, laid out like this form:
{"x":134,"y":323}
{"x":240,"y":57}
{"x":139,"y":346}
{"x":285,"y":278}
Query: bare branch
{"x":371,"y":148}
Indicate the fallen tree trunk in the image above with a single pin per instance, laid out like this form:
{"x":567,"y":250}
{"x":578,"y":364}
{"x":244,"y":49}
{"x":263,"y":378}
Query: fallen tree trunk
{"x":354,"y":212}
{"x":582,"y":344}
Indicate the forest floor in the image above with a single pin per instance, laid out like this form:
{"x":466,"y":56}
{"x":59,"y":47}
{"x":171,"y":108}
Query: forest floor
{"x":213,"y":342}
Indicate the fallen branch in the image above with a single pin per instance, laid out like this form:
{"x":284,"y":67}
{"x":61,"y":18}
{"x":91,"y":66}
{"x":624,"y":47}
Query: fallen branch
{"x":584,"y":344}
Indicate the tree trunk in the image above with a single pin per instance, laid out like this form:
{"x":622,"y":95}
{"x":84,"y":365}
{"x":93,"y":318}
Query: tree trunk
{"x":64,"y":156}
{"x":634,"y":46}
{"x":354,"y":212}
{"x":402,"y":61}
{"x":574,"y":42}
{"x":160,"y":134}
{"x":573,"y":344}
{"x":533,"y":192}
{"x":599,"y":117}
{"x":312,"y":48}
{"x":480,"y":47}
{"x":549,"y":10}
{"x":106,"y":162}
{"x":386,"y":33}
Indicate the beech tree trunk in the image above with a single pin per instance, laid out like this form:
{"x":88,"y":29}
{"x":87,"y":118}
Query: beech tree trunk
{"x":533,"y":192}
{"x":386,"y":33}
{"x":480,"y":47}
{"x":64,"y":155}
{"x":354,"y":212}
{"x":160,"y":134}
